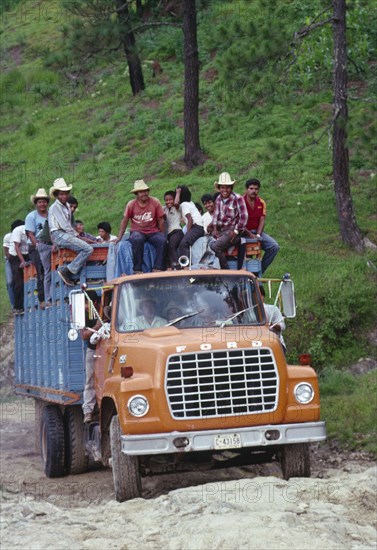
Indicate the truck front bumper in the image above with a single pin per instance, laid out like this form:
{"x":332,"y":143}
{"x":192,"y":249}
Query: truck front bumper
{"x":207,"y":440}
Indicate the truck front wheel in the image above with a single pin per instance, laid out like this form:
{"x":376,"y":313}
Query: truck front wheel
{"x":126,"y":475}
{"x":52,"y":441}
{"x":295,"y":460}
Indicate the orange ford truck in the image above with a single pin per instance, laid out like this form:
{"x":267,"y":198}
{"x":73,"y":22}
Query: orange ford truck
{"x":185,"y":368}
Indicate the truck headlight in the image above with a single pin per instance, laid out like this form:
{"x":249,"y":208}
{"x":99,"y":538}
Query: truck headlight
{"x":304,"y":392}
{"x":138,"y":405}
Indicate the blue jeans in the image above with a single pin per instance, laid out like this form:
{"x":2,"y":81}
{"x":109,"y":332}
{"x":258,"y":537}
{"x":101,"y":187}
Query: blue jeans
{"x":9,"y":279}
{"x":112,"y":254}
{"x":89,"y":396}
{"x":68,"y":240}
{"x":45,"y":256}
{"x":36,"y":261}
{"x":123,"y":262}
{"x":158,"y":240}
{"x":270,"y":248}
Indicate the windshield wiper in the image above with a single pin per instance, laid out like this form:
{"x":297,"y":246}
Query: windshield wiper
{"x":236,"y":315}
{"x":183,"y":317}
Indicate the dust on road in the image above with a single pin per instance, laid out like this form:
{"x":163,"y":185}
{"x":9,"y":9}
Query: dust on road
{"x":238,"y":507}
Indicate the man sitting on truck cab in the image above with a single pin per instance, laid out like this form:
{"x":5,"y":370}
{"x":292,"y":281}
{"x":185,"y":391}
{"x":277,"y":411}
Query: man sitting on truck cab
{"x":228,"y":220}
{"x":63,"y":234}
{"x":256,"y":208}
{"x":147,"y":224}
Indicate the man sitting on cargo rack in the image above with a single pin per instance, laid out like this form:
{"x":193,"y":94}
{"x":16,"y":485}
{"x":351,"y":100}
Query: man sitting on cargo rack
{"x":87,"y":237}
{"x":149,"y":319}
{"x":18,"y":259}
{"x":39,"y":252}
{"x":104,"y":230}
{"x":147,"y":224}
{"x":63,"y":234}
{"x":256,"y":208}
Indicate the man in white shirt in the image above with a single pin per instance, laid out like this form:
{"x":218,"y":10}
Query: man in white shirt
{"x":209,"y":204}
{"x":105,"y":236}
{"x":18,"y":258}
{"x":192,"y":217}
{"x":149,"y":319}
{"x":8,"y":269}
{"x":274,"y":318}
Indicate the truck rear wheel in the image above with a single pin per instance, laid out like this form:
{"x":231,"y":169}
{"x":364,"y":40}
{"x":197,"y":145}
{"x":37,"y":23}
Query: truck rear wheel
{"x":39,"y":406}
{"x":76,"y":458}
{"x":52,"y":441}
{"x":295,"y":460}
{"x":126,"y":475}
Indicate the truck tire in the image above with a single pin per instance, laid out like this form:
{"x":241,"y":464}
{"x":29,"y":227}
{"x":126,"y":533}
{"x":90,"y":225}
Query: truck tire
{"x":76,"y":457}
{"x":126,"y":475}
{"x":295,"y":460}
{"x":52,"y":441}
{"x":39,"y":405}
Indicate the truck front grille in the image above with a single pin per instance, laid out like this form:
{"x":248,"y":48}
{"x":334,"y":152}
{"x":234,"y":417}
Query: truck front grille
{"x":222,"y":383}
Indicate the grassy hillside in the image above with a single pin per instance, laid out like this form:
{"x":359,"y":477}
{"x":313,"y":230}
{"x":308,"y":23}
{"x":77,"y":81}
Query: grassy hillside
{"x":98,"y":137}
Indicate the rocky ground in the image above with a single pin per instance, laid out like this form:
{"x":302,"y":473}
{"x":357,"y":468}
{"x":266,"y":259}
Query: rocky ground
{"x":231,"y":508}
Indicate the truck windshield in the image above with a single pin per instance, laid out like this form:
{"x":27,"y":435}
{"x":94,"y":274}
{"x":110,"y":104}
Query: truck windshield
{"x":188,"y":302}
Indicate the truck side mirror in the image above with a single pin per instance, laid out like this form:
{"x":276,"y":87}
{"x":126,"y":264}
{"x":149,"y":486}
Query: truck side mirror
{"x":77,"y":306}
{"x":287,"y":292}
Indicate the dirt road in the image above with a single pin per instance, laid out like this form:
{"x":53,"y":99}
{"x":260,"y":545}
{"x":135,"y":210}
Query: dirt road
{"x":244,"y":507}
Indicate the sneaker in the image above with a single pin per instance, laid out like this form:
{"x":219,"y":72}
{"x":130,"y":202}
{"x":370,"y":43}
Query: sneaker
{"x":88,"y":417}
{"x":66,"y":276}
{"x":18,"y":311}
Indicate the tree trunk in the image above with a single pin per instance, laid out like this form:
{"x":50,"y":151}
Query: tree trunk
{"x":349,"y":229}
{"x":129,"y":46}
{"x":193,"y":153}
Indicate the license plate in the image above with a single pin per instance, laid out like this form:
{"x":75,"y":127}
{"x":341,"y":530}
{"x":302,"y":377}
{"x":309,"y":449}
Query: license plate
{"x":228,"y":441}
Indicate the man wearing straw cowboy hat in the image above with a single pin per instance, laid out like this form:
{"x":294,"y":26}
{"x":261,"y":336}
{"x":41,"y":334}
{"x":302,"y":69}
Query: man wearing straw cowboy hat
{"x":40,"y":254}
{"x":147,"y":224}
{"x":228,"y":220}
{"x":63,"y":234}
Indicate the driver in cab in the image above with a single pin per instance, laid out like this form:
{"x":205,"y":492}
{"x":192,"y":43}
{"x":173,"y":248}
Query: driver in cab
{"x":148,"y":317}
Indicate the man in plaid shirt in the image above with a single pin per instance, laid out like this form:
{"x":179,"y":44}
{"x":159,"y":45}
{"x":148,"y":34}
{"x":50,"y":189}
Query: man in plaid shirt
{"x":229,"y":218}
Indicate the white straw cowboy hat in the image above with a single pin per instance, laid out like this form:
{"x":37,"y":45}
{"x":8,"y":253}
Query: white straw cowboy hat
{"x":140,"y":185}
{"x":224,"y":179}
{"x":40,"y":194}
{"x":59,"y":185}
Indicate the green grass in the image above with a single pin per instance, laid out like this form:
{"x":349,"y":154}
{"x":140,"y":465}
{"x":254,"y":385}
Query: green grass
{"x":349,"y":407}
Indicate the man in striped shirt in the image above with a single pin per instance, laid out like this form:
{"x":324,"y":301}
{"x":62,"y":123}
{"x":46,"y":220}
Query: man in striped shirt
{"x":228,"y":220}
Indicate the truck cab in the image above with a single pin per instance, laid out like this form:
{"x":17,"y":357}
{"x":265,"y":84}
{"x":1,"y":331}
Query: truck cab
{"x":210,"y":379}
